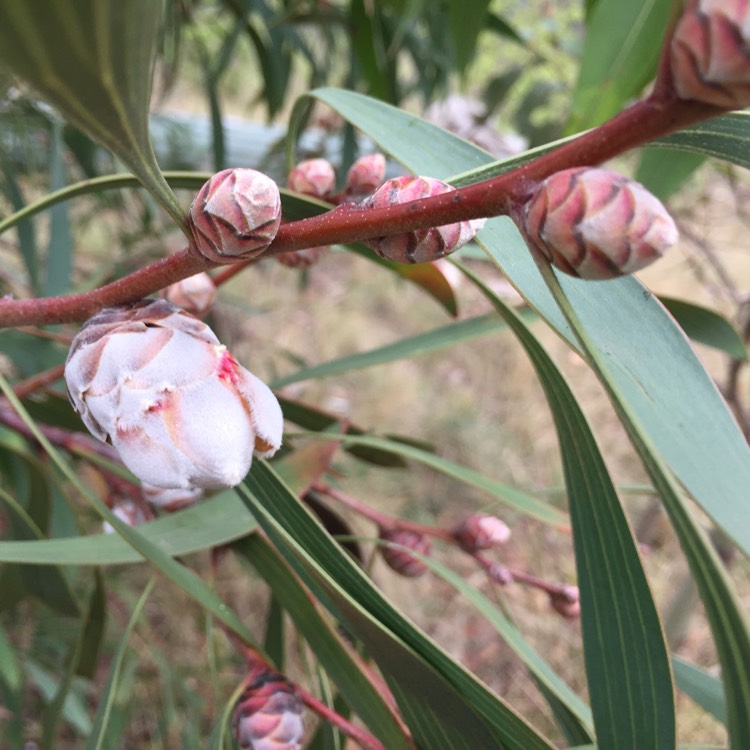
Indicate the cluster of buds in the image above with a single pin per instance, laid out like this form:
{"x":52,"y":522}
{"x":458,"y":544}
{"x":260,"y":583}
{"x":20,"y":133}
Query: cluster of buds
{"x":480,"y":532}
{"x":709,"y":53}
{"x":268,"y":714}
{"x":235,"y":215}
{"x":195,"y":294}
{"x":596,"y":224}
{"x":156,"y":383}
{"x":421,"y":245}
{"x":398,"y":558}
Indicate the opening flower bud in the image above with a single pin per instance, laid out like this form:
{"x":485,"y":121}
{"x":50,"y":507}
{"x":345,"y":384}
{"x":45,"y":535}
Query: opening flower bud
{"x":422,"y":245}
{"x":268,"y":715}
{"x":597,"y":224}
{"x":479,"y":532}
{"x":156,"y":383}
{"x":235,"y":215}
{"x":312,"y":177}
{"x":195,"y":294}
{"x":399,"y":559}
{"x":709,"y":53}
{"x":365,"y":175}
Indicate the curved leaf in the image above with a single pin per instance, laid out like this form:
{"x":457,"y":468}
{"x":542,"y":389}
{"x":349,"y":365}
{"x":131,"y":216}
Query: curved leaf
{"x":93,"y":60}
{"x":705,"y":689}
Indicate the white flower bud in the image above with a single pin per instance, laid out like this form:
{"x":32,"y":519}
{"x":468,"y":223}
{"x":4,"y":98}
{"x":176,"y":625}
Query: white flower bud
{"x":156,"y":383}
{"x":195,"y":294}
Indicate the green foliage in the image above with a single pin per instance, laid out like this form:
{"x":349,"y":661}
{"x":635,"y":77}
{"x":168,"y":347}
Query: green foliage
{"x":328,"y":624}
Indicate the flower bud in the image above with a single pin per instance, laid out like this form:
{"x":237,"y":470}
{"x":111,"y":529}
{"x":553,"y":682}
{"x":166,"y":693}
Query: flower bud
{"x":156,"y":383}
{"x":235,"y":215}
{"x":566,"y":601}
{"x":479,"y":532}
{"x":499,"y":574}
{"x":312,"y":177}
{"x":709,"y":53}
{"x":422,"y":245}
{"x":127,"y":511}
{"x":195,"y":294}
{"x":365,"y":175}
{"x":268,"y":715}
{"x":302,"y":258}
{"x":596,"y":224}
{"x":399,"y":559}
{"x":171,"y":499}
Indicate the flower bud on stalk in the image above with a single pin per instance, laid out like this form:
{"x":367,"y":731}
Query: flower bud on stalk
{"x":480,"y":532}
{"x":422,"y":245}
{"x":195,"y":294}
{"x":566,"y":602}
{"x":365,"y":175}
{"x":313,"y":177}
{"x":235,"y":215}
{"x":156,"y":383}
{"x":596,"y":224}
{"x":268,"y":715}
{"x":170,"y":499}
{"x":399,"y":559}
{"x":709,"y":53}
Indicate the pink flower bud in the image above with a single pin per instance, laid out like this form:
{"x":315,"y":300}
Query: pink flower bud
{"x":480,"y":532}
{"x":399,"y":559}
{"x":235,"y":215}
{"x":312,"y":177}
{"x":566,"y":601}
{"x":709,"y":53}
{"x":171,"y":499}
{"x":597,"y":224}
{"x":195,"y":294}
{"x":302,"y":258}
{"x":268,"y":715}
{"x":499,"y":574}
{"x":365,"y":175}
{"x":156,"y":383}
{"x":127,"y":511}
{"x":422,"y":245}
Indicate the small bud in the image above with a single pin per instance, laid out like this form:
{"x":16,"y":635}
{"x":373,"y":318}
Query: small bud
{"x":399,"y":559}
{"x":156,"y":383}
{"x":312,"y":177}
{"x":195,"y":294}
{"x":235,"y":215}
{"x":566,"y":601}
{"x":709,"y":53}
{"x":422,"y":245}
{"x":365,"y":175}
{"x":127,"y":511}
{"x":268,"y":715}
{"x":596,"y":224}
{"x":479,"y":532}
{"x":171,"y":499}
{"x":499,"y":574}
{"x":302,"y":258}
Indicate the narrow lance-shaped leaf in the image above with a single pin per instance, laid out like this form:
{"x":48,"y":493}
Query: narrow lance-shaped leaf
{"x":93,"y":60}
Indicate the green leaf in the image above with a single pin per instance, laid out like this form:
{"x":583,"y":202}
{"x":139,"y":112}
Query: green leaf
{"x":665,"y":171}
{"x":620,"y":54}
{"x":93,"y":60}
{"x":423,"y":679}
{"x":690,"y":426}
{"x":60,"y":246}
{"x":413,"y":346}
{"x":705,"y":689}
{"x":624,"y":647}
{"x":704,"y":326}
{"x":107,"y":695}
{"x":94,"y":630}
{"x":354,"y":685}
{"x":465,"y":22}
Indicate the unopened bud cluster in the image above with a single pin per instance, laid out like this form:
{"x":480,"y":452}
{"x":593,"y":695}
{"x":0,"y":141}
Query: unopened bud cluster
{"x":235,"y":215}
{"x":268,"y":715}
{"x":399,"y":559}
{"x":709,"y":53}
{"x":481,"y":532}
{"x":156,"y":383}
{"x":421,"y":245}
{"x":596,"y":224}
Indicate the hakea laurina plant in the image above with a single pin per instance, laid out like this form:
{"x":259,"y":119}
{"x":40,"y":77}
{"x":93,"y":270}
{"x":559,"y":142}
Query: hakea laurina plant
{"x":481,"y":532}
{"x":156,"y":383}
{"x":395,"y":551}
{"x":196,"y":294}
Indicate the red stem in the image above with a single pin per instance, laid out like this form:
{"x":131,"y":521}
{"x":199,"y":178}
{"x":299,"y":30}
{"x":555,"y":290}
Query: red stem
{"x":658,"y":115}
